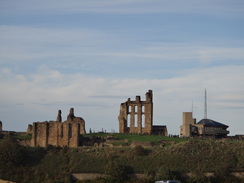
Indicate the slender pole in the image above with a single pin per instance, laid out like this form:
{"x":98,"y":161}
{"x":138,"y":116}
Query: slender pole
{"x":205,"y":106}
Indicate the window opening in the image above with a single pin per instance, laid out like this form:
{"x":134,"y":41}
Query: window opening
{"x":128,"y":120}
{"x":143,"y":108}
{"x":129,"y":108}
{"x":136,"y":108}
{"x":70,"y":130}
{"x":143,"y":121}
{"x":136,"y":121}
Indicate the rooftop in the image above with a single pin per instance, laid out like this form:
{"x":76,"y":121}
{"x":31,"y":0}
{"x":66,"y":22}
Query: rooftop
{"x":212,"y":123}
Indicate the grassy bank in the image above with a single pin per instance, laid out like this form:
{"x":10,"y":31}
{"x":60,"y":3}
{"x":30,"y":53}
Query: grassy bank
{"x":155,"y":139}
{"x":55,"y":164}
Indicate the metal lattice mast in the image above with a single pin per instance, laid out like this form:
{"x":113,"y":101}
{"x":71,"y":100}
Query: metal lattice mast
{"x":205,"y":106}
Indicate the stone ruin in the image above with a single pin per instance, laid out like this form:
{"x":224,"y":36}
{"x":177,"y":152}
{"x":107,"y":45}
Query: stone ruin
{"x":137,"y":117}
{"x":58,"y":133}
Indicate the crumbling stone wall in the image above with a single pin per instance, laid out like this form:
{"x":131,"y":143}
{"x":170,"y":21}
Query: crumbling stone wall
{"x":58,"y":133}
{"x":30,"y":129}
{"x":137,"y":116}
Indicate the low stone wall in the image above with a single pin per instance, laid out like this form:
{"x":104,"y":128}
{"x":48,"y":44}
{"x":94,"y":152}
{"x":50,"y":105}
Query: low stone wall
{"x":87,"y":176}
{"x":112,"y":140}
{"x":143,"y":144}
{"x":6,"y":181}
{"x":238,"y":174}
{"x":24,"y":143}
{"x":94,"y":176}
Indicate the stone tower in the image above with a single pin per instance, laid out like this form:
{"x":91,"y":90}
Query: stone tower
{"x":187,"y":122}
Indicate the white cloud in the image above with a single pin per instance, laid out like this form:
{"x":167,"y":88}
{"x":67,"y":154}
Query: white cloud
{"x":38,"y":97}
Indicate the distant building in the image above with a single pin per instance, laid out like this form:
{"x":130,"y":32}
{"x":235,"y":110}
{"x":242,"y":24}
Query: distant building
{"x":137,"y":117}
{"x":205,"y":127}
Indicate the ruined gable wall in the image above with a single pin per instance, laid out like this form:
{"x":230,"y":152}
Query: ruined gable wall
{"x":136,"y":116}
{"x":81,"y":126}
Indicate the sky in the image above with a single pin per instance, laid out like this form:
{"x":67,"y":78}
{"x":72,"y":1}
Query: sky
{"x":94,"y":55}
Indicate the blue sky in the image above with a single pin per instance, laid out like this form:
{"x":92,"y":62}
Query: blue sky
{"x":93,"y":55}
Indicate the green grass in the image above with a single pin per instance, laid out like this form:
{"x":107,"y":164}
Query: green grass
{"x":21,"y":136}
{"x":138,"y":138}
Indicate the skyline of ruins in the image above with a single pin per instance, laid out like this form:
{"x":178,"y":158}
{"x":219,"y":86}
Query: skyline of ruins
{"x":93,"y":55}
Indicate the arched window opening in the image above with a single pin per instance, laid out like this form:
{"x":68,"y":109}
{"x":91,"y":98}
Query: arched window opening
{"x":143,"y":109}
{"x":136,"y":108}
{"x":128,"y":120}
{"x":143,"y":121}
{"x":136,"y":121}
{"x":129,"y":109}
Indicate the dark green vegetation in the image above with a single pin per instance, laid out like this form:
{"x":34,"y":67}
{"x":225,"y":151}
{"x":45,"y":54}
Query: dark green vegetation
{"x":21,"y":136}
{"x":173,"y":161}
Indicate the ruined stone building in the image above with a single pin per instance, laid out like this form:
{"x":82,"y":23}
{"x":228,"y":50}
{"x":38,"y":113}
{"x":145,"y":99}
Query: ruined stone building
{"x":137,"y":117}
{"x":205,"y":127}
{"x":58,"y":133}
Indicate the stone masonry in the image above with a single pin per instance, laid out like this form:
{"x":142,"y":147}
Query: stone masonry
{"x":58,"y":133}
{"x":137,"y":116}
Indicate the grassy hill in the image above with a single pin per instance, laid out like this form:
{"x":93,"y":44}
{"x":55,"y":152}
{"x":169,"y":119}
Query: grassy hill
{"x":55,"y":164}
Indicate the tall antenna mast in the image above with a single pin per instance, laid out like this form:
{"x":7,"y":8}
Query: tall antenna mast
{"x":205,"y":105}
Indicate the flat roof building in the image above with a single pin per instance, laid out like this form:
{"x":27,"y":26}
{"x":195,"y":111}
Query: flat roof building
{"x":205,"y":127}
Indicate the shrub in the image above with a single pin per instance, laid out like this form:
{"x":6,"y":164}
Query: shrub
{"x":11,"y":153}
{"x":139,"y":150}
{"x":116,"y":172}
{"x":167,"y":174}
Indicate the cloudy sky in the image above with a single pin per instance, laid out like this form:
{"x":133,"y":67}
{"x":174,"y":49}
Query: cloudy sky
{"x":93,"y":55}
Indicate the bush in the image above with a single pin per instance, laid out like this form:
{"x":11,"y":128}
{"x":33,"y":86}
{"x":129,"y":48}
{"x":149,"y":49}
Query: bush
{"x":167,"y":174}
{"x":11,"y":153}
{"x":117,"y":172}
{"x":139,"y":150}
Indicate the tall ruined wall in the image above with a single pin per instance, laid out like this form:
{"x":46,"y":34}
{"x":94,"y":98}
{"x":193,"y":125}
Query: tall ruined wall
{"x":58,"y":133}
{"x":137,"y":116}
